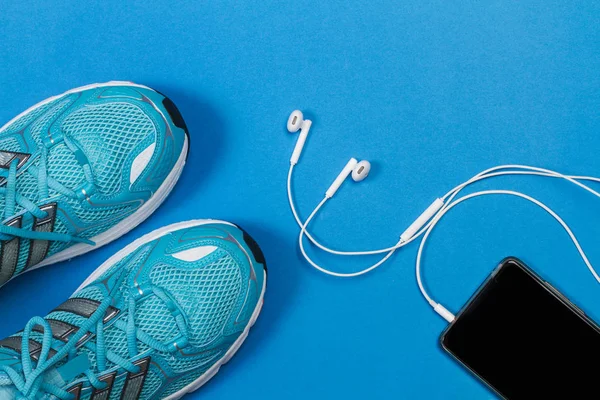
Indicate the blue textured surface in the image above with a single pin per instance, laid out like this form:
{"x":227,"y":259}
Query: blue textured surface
{"x":431,"y":93}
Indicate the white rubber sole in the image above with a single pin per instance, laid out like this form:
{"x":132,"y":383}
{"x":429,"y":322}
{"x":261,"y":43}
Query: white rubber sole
{"x":159,"y":233}
{"x":134,"y":219}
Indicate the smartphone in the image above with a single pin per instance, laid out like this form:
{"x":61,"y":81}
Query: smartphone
{"x":524,"y":339}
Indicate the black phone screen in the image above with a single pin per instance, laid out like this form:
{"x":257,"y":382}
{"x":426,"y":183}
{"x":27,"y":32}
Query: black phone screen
{"x":526,"y":340}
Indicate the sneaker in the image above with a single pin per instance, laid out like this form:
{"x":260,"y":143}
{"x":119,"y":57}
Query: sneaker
{"x":81,"y":169}
{"x":155,"y":321}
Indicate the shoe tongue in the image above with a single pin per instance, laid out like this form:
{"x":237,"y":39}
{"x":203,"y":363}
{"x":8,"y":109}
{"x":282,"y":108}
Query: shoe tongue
{"x":58,"y":375}
{"x":7,"y":389}
{"x":8,"y":357}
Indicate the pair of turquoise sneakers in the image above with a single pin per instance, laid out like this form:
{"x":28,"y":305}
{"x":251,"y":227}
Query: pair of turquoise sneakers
{"x":157,"y":319}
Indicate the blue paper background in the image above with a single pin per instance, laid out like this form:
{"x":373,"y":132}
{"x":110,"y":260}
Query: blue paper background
{"x":431,"y":92}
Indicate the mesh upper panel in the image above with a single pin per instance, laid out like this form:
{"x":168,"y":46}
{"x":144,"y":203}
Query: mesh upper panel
{"x":152,"y":383}
{"x":207,"y":295}
{"x":63,"y":166}
{"x":108,"y":133}
{"x":10,"y":144}
{"x":131,"y":262}
{"x":55,"y":247}
{"x":116,"y":341}
{"x":40,"y":127}
{"x":118,"y":385}
{"x":178,"y":385}
{"x":184,"y":364}
{"x":92,"y":293}
{"x":154,"y":318}
{"x":29,"y":117}
{"x":27,"y":186}
{"x":99,"y":213}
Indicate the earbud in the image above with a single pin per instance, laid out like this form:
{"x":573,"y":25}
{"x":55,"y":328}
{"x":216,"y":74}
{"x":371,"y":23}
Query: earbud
{"x":361,"y":171}
{"x":358,"y":170}
{"x":296,"y":123}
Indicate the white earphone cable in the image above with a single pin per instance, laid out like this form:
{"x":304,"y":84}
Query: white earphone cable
{"x":437,"y":306}
{"x":527,"y":170}
{"x":447,"y":198}
{"x":326,"y":271}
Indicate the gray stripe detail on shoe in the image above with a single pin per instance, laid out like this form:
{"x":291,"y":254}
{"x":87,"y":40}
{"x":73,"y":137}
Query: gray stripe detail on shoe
{"x":85,"y":308}
{"x":39,"y":248}
{"x":35,"y":348}
{"x":76,"y":391}
{"x":14,"y":343}
{"x":7,"y":157}
{"x":135,"y":382}
{"x":60,"y":330}
{"x":80,"y":306}
{"x":104,"y":394}
{"x":9,"y":255}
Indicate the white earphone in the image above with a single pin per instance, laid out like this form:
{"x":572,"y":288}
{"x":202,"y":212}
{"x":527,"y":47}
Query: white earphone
{"x":425,"y":223}
{"x":296,"y":123}
{"x":358,"y":170}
